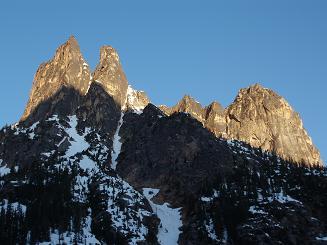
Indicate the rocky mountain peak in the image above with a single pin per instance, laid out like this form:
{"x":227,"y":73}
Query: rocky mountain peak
{"x":191,"y":106}
{"x":67,"y":68}
{"x":215,"y":106}
{"x":187,"y":100}
{"x":262,"y":118}
{"x":211,"y":116}
{"x":108,"y":54}
{"x":72,"y":44}
{"x":136,"y":100}
{"x":109,"y":73}
{"x":255,"y":91}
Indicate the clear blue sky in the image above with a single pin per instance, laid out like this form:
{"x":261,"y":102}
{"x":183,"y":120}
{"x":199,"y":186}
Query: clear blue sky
{"x":209,"y":49}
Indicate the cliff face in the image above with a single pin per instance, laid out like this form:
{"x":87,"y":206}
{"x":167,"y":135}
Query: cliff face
{"x":67,"y":68}
{"x":265,"y":120}
{"x":110,"y":74}
{"x":215,"y":119}
{"x":259,"y":117}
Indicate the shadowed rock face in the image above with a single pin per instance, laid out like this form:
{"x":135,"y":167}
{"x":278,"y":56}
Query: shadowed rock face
{"x":110,"y":74}
{"x":264,"y":119}
{"x":259,"y":117}
{"x":67,"y":68}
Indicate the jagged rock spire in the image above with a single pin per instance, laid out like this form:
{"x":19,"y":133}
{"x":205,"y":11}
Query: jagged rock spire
{"x":109,"y":73}
{"x":188,"y":105}
{"x":67,"y":68}
{"x":211,"y":116}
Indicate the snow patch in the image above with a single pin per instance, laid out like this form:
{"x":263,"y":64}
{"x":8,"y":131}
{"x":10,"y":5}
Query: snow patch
{"x":127,"y":221}
{"x":31,"y":135}
{"x":321,"y":238}
{"x":116,"y":143}
{"x":211,"y":230}
{"x":48,"y":154}
{"x":14,"y":206}
{"x":88,"y":165}
{"x":78,"y":142}
{"x":170,"y":218}
{"x":53,"y":118}
{"x":133,"y":101}
{"x":211,"y":198}
{"x":282,"y":198}
{"x":69,"y":237}
{"x":80,"y":189}
{"x":256,"y":210}
{"x":4,"y":170}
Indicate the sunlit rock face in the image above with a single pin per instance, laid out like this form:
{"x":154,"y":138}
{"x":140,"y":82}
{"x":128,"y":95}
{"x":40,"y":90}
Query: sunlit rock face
{"x":215,"y":119}
{"x":109,"y":73}
{"x":264,"y":119}
{"x":211,"y":116}
{"x":187,"y":105}
{"x":259,"y":117}
{"x":67,"y":68}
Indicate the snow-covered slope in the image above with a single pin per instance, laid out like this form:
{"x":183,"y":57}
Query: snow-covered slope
{"x":170,"y":219}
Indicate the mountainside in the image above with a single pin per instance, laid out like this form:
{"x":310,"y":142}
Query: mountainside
{"x":92,"y":161}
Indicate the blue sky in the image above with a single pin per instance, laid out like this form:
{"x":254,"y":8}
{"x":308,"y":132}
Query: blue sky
{"x":209,"y":49}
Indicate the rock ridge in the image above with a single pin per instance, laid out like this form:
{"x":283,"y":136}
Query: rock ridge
{"x":258,"y":116}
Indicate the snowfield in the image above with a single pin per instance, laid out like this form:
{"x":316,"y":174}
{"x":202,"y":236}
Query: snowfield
{"x":4,"y":170}
{"x":78,"y":142}
{"x":170,"y":218}
{"x":116,"y":143}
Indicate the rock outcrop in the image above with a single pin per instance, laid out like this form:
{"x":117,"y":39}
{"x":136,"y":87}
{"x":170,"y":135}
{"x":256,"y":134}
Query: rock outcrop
{"x":67,"y":68}
{"x":187,"y":105}
{"x":136,"y":100}
{"x":265,"y":120}
{"x":109,"y":73}
{"x":211,"y":116}
{"x":215,"y":119}
{"x":259,"y":117}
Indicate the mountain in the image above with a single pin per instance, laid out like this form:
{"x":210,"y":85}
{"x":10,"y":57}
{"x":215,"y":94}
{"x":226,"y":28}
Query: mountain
{"x":92,"y":161}
{"x":259,"y":117}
